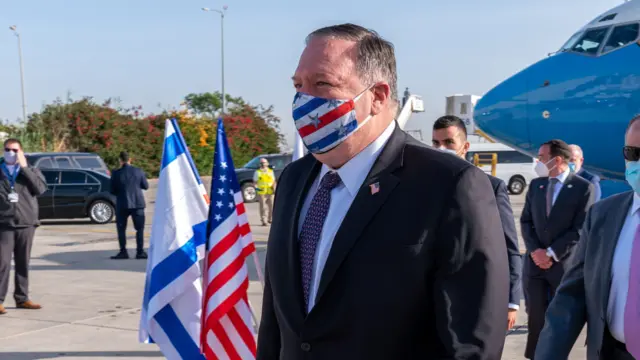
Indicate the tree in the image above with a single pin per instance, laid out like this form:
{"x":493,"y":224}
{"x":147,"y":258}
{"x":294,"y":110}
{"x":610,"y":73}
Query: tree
{"x":209,"y":104}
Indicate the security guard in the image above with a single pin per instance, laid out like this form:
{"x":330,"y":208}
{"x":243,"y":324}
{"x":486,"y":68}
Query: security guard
{"x":265,"y":181}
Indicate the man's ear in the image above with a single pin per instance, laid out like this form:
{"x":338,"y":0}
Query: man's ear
{"x":381,"y":97}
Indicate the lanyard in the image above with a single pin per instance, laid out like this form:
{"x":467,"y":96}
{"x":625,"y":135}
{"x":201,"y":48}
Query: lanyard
{"x":12,"y":178}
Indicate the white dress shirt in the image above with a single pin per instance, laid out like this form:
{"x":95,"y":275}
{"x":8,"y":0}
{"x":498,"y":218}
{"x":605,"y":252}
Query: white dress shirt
{"x":352,"y":174}
{"x":562,"y":177}
{"x":620,"y":272}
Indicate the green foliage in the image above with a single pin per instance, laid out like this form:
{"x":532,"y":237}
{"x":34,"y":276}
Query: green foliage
{"x":106,"y":129}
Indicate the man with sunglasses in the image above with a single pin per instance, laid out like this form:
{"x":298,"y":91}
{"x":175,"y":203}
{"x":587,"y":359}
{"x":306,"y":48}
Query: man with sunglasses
{"x":554,"y":210}
{"x":20,"y":185}
{"x":602,"y":286}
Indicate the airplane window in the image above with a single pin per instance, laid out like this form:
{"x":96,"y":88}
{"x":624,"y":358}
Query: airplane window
{"x":608,"y":17}
{"x":572,"y":41}
{"x":590,"y":42}
{"x":621,"y":36}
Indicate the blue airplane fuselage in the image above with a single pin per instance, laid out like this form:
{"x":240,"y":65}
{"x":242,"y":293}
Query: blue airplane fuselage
{"x":581,"y":99}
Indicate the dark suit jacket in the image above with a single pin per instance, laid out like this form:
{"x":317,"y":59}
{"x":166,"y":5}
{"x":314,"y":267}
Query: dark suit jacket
{"x":583,"y":295}
{"x":127,"y":184}
{"x":416,"y":271}
{"x":595,"y":180}
{"x":511,"y":237}
{"x":560,"y":230}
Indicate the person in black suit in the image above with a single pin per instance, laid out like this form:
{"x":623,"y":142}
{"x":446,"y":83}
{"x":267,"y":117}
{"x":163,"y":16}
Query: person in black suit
{"x":596,"y":287}
{"x":381,"y":247}
{"x":127,"y":184}
{"x":554,"y":210}
{"x":575,"y":164}
{"x":450,"y":134}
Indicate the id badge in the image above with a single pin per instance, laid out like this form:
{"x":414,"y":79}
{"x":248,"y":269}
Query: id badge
{"x":13,"y":197}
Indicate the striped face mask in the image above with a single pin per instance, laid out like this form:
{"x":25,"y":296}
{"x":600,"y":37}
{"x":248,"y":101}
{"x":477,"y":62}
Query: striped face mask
{"x":324,"y":124}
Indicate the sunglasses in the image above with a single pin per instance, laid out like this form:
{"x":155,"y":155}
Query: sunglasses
{"x":8,"y":149}
{"x":631,"y":153}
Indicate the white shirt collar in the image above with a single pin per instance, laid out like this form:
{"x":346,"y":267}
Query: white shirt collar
{"x":356,"y":170}
{"x":563,"y":176}
{"x":636,"y":203}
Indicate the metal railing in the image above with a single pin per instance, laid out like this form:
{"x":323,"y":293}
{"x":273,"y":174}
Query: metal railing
{"x":480,"y":159}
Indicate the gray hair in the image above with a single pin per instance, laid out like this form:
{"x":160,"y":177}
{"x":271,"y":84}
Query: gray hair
{"x":577,"y":148}
{"x":376,"y":59}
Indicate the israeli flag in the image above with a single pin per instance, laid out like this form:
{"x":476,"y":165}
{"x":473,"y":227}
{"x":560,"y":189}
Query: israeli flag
{"x":172,"y":303}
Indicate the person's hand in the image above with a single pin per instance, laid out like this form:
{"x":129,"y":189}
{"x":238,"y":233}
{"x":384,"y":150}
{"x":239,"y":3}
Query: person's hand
{"x":541,"y":259}
{"x":511,"y":318}
{"x":22,"y":160}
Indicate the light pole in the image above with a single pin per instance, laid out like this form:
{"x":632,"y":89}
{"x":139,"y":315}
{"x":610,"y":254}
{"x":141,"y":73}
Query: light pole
{"x":24,"y":103}
{"x":221,"y":12}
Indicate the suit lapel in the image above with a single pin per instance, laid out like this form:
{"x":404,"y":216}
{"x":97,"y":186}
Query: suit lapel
{"x":365,"y":206}
{"x":541,"y":198}
{"x":565,"y":191}
{"x":611,"y":232}
{"x":302,"y":188}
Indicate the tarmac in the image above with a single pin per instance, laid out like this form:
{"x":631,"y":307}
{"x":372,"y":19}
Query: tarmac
{"x":91,"y":304}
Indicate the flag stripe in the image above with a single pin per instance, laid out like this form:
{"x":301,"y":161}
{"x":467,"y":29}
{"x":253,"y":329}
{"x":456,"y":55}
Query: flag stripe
{"x":328,"y":118}
{"x":226,"y":343}
{"x":233,"y":321}
{"x":227,"y":296}
{"x":308,"y":107}
{"x":177,"y":334}
{"x":242,"y":328}
{"x":172,"y":149}
{"x":178,"y":262}
{"x":174,"y":122}
{"x":334,"y":136}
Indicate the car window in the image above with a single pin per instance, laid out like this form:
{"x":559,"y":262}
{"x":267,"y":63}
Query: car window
{"x":621,"y":36}
{"x":64,"y":163}
{"x":253,"y":164}
{"x":45,"y":163}
{"x":73,"y":177}
{"x":590,"y":42}
{"x":52,"y":177}
{"x":87,"y":162}
{"x":513,"y":157}
{"x":278,"y":162}
{"x":92,"y":180}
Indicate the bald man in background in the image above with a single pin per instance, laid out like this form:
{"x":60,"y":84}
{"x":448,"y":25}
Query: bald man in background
{"x":575,"y":164}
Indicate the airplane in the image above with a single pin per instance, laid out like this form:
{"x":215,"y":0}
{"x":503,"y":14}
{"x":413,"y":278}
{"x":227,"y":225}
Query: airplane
{"x":585,"y":93}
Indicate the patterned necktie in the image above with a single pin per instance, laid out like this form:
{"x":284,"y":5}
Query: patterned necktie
{"x":550,"y":190}
{"x":312,"y":228}
{"x":632,"y":307}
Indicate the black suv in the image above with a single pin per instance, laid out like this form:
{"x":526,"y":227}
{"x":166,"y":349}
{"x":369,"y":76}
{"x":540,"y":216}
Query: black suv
{"x":68,"y":160}
{"x":245,"y":174}
{"x":77,"y":193}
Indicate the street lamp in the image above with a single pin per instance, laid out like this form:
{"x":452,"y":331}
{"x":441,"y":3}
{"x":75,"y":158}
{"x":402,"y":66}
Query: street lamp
{"x":221,"y":12}
{"x":24,"y":103}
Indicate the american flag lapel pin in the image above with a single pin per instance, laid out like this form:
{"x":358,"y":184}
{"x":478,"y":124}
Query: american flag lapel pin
{"x":541,"y":186}
{"x":375,"y":188}
{"x":569,"y":186}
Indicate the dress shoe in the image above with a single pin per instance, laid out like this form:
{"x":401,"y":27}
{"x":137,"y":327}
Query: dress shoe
{"x":141,"y":255}
{"x":121,"y":255}
{"x":29,"y":305}
{"x":2,"y":310}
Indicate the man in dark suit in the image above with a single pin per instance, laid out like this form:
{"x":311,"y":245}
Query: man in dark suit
{"x":554,"y":210}
{"x":602,"y":285}
{"x":380,"y":247}
{"x":575,"y":164}
{"x":127,"y":184}
{"x":450,"y":134}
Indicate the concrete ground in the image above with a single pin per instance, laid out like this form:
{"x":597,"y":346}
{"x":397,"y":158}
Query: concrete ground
{"x":91,"y":304}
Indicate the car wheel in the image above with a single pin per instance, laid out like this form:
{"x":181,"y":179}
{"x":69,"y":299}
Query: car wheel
{"x":516,"y":185}
{"x":101,"y":212}
{"x":248,"y":192}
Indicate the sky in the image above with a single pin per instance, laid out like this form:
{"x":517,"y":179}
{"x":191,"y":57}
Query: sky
{"x":154,"y":52}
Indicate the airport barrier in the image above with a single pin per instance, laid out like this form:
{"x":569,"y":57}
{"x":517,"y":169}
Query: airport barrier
{"x":481,"y":159}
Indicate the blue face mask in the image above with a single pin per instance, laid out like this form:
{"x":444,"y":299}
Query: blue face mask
{"x":632,"y":174}
{"x":572,"y":167}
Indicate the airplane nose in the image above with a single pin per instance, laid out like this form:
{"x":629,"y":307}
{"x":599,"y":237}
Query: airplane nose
{"x":502,"y":112}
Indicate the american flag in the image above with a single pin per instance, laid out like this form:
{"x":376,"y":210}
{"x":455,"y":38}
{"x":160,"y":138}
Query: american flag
{"x":227,"y":331}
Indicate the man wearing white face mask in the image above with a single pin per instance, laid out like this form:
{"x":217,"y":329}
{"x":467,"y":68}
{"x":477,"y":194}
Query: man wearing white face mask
{"x":602,"y":286}
{"x":380,"y":247}
{"x":449,"y":134}
{"x":20,"y":184}
{"x":554,"y":210}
